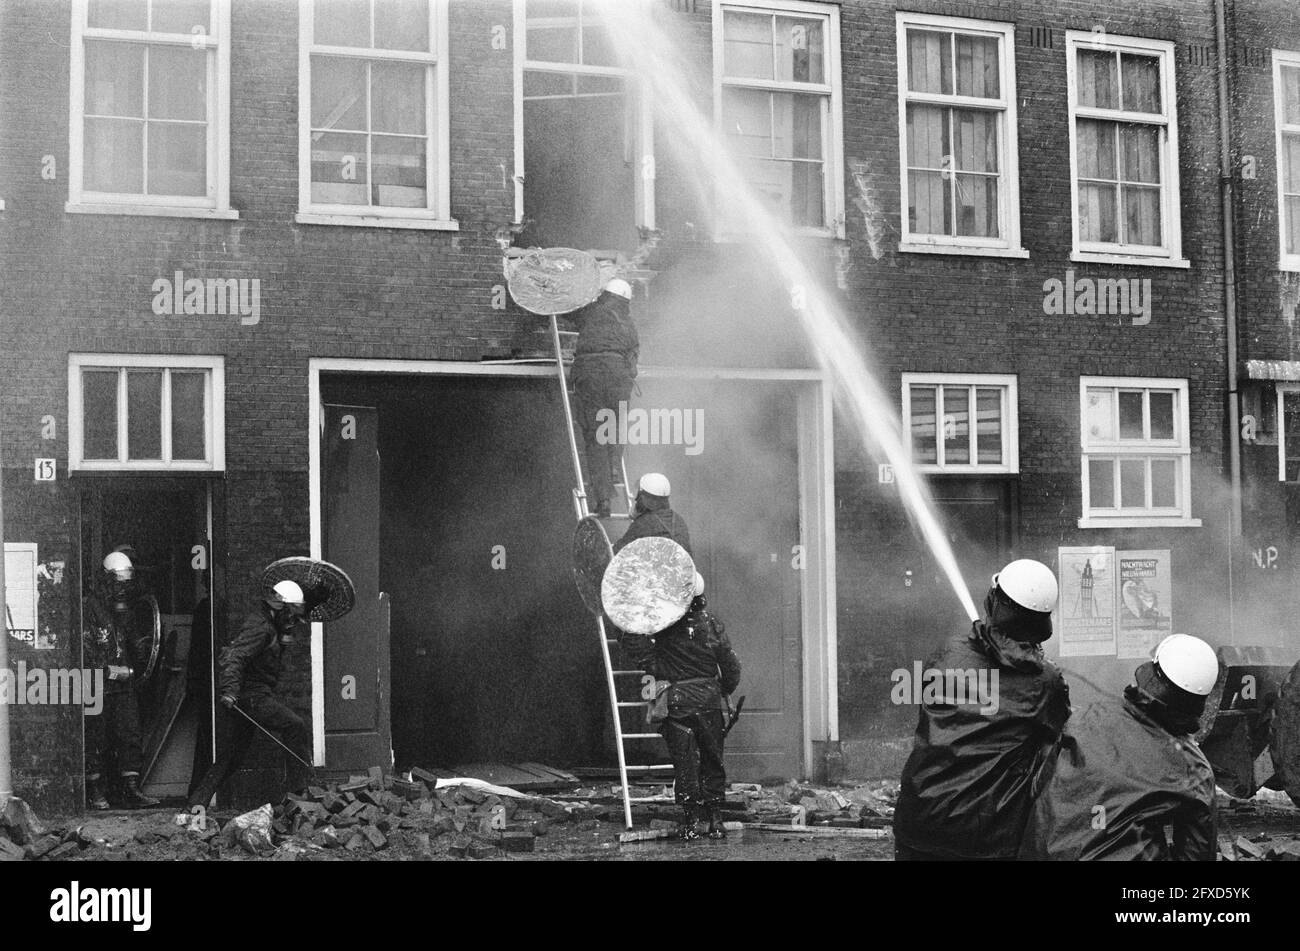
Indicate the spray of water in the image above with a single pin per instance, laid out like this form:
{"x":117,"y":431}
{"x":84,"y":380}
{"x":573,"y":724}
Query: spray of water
{"x":663,"y":70}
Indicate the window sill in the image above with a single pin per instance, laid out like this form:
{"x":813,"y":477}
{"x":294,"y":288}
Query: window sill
{"x":1090,"y":257}
{"x":906,"y":247}
{"x":1291,"y":264}
{"x":117,"y":470}
{"x":967,"y":471}
{"x":377,"y":221}
{"x":154,"y":211}
{"x":1140,"y":521}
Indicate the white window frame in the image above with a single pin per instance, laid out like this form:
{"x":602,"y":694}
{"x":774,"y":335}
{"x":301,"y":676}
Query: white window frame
{"x":1170,"y":254}
{"x":214,"y":412}
{"x":1180,"y":447}
{"x":216,"y":203}
{"x":437,"y":216}
{"x":1006,"y":383}
{"x":1008,"y":150}
{"x":1283,"y":59}
{"x":1285,"y":391}
{"x":637,"y":88}
{"x":832,"y":132}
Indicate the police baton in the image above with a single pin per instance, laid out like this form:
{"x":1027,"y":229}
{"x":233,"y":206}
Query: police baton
{"x":235,"y":706}
{"x":733,"y":715}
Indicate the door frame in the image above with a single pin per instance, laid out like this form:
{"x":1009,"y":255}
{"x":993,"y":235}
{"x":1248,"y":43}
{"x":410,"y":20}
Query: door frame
{"x":816,"y":477}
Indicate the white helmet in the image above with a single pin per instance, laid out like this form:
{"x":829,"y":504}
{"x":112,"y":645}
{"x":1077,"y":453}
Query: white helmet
{"x":655,"y":483}
{"x":699,"y":584}
{"x":1188,"y":663}
{"x":288,"y":592}
{"x":620,"y":287}
{"x":1029,"y":584}
{"x":120,"y":565}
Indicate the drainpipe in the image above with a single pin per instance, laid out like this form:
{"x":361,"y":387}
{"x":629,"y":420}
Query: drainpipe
{"x":1228,"y":192}
{"x":6,"y":778}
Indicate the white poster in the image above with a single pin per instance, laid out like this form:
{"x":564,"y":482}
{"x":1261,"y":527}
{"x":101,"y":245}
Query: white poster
{"x":1145,"y":596}
{"x":20,"y":591}
{"x":1086,"y":608}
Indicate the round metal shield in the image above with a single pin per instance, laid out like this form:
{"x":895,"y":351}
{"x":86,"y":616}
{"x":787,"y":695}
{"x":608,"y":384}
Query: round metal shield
{"x":591,"y":555}
{"x":1286,"y":735}
{"x":648,"y":585}
{"x":328,"y":588}
{"x":151,"y":620}
{"x":551,"y":281}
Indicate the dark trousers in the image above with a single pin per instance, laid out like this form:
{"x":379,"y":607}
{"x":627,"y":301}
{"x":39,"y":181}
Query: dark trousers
{"x":595,"y":388}
{"x":695,"y":745}
{"x":115,"y":734}
{"x":269,"y":713}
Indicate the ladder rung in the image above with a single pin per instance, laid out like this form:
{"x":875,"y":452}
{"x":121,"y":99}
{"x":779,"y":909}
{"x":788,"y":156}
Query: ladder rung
{"x":641,"y":736}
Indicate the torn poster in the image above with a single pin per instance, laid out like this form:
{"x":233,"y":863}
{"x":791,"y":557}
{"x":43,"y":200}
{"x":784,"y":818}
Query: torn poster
{"x":1086,"y":609}
{"x":1145,"y":596}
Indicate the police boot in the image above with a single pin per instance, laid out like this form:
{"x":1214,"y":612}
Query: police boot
{"x":686,"y":826}
{"x":132,"y":797}
{"x":715,"y":823}
{"x":95,"y":798}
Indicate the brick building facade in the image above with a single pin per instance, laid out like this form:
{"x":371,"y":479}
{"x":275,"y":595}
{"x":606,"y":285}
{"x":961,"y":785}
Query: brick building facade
{"x":946,"y":273}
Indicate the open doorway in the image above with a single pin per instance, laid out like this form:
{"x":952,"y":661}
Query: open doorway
{"x":164,"y":527}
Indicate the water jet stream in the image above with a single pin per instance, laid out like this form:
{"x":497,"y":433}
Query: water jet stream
{"x":657,"y":61}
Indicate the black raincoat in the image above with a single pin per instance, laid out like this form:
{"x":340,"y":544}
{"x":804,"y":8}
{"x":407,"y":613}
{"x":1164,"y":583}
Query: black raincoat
{"x":658,"y":522}
{"x":1121,"y":782}
{"x":965,"y":790}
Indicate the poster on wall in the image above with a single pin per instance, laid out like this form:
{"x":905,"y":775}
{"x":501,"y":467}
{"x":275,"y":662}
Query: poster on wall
{"x":1086,"y":608}
{"x":1145,"y":602}
{"x":20,"y":592}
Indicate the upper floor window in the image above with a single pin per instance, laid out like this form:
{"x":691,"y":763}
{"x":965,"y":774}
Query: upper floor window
{"x":149,"y":123}
{"x":1286,"y":91}
{"x":961,"y":423}
{"x":1124,"y":149}
{"x":1136,"y":452}
{"x":584,"y":160}
{"x":144,"y":412}
{"x":373,"y":114}
{"x":776,"y":70}
{"x":957,"y":108}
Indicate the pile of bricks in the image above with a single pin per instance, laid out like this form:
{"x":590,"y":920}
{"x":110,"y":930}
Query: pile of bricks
{"x":1259,"y":848}
{"x":23,"y":836}
{"x":375,"y":812}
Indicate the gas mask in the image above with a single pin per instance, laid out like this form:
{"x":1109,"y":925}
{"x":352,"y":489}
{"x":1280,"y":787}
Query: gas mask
{"x":119,"y":582}
{"x":288,"y":621}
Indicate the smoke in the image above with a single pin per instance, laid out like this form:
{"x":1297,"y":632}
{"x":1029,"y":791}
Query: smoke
{"x":838,"y":349}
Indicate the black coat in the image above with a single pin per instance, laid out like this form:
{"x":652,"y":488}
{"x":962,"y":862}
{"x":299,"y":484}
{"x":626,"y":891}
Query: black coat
{"x":695,"y":648}
{"x":1122,"y":779}
{"x":606,"y":331}
{"x":965,"y":790}
{"x":253,"y":660}
{"x":118,"y":639}
{"x":661,"y":523}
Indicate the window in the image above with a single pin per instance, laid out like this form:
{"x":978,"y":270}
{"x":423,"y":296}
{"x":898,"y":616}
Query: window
{"x":584,"y":158}
{"x":1288,"y":432}
{"x":1136,"y":453}
{"x":152,"y":413}
{"x":373,"y":114}
{"x":1124,"y":150}
{"x":149,"y":121}
{"x":1286,"y":91}
{"x":777,"y":106}
{"x":961,"y":423}
{"x":957,"y":117}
